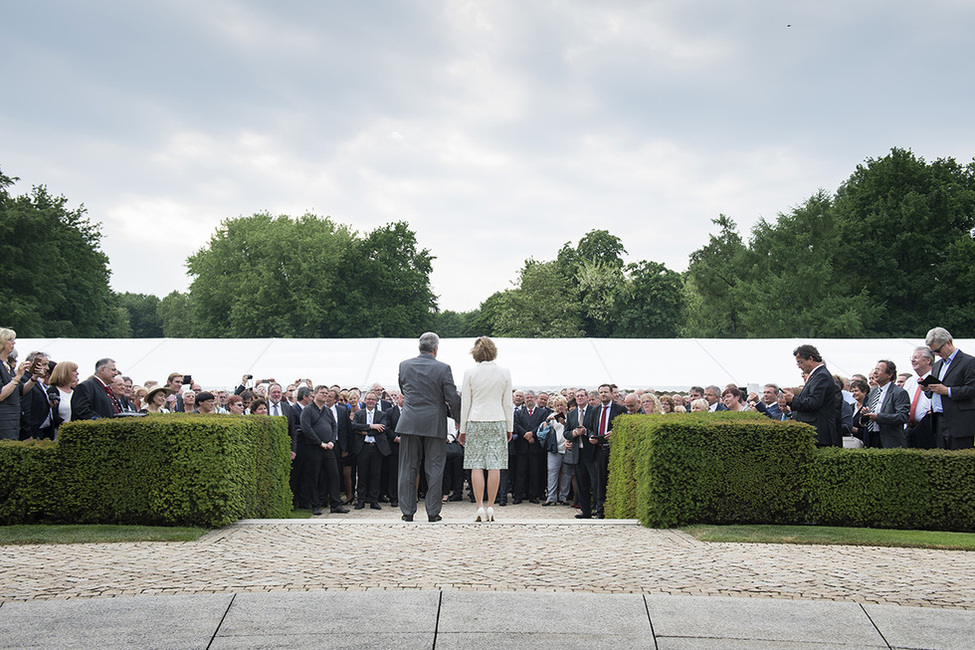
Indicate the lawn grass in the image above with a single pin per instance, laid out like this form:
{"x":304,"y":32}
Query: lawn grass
{"x":833,"y":535}
{"x":87,"y":534}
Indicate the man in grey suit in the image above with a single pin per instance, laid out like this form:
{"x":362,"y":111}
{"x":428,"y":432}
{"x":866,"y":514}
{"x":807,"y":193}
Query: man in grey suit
{"x":429,"y":398}
{"x":886,"y":409}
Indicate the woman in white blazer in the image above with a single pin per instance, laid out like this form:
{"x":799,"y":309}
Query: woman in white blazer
{"x":486,"y":423}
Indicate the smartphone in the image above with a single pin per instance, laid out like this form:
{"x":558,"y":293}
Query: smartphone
{"x":187,"y":380}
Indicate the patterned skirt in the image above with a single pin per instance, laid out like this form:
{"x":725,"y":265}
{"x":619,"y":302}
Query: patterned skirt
{"x":486,"y":446}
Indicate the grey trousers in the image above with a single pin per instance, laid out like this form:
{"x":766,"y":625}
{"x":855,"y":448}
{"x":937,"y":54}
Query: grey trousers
{"x":434,"y":459}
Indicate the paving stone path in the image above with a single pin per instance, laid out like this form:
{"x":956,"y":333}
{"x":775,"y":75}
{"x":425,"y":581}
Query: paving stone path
{"x":530,"y":549}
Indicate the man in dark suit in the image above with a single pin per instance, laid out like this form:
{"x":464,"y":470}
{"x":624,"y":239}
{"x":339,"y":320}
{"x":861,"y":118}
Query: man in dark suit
{"x":713,"y":395}
{"x":174,"y":382}
{"x":370,"y":445}
{"x":342,"y":415}
{"x":769,"y":404}
{"x":885,"y":410}
{"x":599,"y":429}
{"x":820,"y":401}
{"x":581,"y":453}
{"x":278,"y":406}
{"x":392,"y":461}
{"x":953,"y":399}
{"x":429,"y":398}
{"x":321,"y":472}
{"x":920,"y":431}
{"x":528,"y":477}
{"x":93,"y":398}
{"x":36,"y":414}
{"x":303,"y":397}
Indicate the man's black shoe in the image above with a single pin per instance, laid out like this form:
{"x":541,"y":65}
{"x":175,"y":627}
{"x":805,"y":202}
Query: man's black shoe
{"x":600,"y":516}
{"x":582,"y":516}
{"x":394,"y":503}
{"x":407,"y":517}
{"x":533,"y":500}
{"x":515,"y":502}
{"x":502,"y":502}
{"x":360,"y":506}
{"x":375,"y":506}
{"x":548,"y":503}
{"x":435,"y":518}
{"x":339,"y":510}
{"x":384,"y":499}
{"x":456,"y":496}
{"x":316,"y":511}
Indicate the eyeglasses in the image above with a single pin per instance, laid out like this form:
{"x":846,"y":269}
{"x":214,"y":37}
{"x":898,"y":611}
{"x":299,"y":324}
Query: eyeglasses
{"x":938,"y":350}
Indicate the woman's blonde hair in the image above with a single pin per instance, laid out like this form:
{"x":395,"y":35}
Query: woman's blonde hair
{"x":62,"y":375}
{"x":484,"y":350}
{"x":5,"y":335}
{"x":653,"y":399}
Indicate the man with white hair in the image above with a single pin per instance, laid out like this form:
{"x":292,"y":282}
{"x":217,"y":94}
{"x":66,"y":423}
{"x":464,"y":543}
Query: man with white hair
{"x":429,"y":398}
{"x":953,"y":399}
{"x":920,"y":433}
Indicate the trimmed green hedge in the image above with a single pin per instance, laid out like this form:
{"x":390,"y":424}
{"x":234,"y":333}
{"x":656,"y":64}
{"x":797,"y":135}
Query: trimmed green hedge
{"x":723,"y":468}
{"x":893,"y":488}
{"x":171,"y":469}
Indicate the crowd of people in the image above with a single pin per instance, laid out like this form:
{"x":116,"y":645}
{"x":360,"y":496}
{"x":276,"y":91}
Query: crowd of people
{"x":365,"y":448}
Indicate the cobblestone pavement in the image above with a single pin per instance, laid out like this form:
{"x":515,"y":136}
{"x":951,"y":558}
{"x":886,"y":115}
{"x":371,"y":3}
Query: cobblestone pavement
{"x":530,"y":549}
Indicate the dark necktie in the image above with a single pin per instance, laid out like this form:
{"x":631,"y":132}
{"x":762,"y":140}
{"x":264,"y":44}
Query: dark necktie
{"x":874,"y":404}
{"x":115,"y":403}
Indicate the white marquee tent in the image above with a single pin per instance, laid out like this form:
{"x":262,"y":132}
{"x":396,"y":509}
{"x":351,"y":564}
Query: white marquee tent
{"x":663,"y":364}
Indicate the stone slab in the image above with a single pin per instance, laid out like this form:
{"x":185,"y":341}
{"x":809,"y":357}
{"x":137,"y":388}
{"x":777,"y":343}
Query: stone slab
{"x":762,"y":619}
{"x":178,"y":622}
{"x":926,"y":628}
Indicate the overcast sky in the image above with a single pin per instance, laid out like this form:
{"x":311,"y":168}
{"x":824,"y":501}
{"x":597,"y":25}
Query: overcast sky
{"x":498,"y":129}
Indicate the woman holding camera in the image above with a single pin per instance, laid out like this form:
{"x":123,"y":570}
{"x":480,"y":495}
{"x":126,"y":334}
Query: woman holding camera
{"x":12,"y":386}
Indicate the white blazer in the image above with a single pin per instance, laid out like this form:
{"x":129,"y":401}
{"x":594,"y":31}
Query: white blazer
{"x":485,"y":396}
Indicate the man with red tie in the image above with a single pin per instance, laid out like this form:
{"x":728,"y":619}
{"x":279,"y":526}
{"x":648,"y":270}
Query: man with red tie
{"x":599,"y":427}
{"x":920,"y":433}
{"x":93,"y":398}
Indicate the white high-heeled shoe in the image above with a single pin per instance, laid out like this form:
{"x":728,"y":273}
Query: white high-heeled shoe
{"x":479,"y":515}
{"x":490,"y":514}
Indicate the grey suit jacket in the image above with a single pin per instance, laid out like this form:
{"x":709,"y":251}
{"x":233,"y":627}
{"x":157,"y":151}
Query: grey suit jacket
{"x":892,"y":416}
{"x":429,"y":395}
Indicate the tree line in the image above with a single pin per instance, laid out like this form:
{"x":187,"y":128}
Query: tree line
{"x":887,"y":254}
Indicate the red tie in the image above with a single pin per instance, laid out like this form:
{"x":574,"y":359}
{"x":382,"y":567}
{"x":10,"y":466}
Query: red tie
{"x":602,"y":421}
{"x":917,"y":394}
{"x":117,"y":405}
{"x":530,"y":411}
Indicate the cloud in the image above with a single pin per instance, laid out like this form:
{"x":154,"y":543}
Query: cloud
{"x":498,"y":130}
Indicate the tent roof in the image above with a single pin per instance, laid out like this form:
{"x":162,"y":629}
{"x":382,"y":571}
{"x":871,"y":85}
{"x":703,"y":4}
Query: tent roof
{"x":663,"y":364}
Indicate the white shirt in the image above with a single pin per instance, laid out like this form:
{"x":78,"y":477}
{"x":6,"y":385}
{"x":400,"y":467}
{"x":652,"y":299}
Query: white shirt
{"x":370,"y":419}
{"x":923,"y":401}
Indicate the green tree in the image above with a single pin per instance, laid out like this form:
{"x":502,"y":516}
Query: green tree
{"x":713,"y":275}
{"x":599,"y":283}
{"x":791,"y":286}
{"x":309,"y":277}
{"x":542,"y":306}
{"x":55,"y":276}
{"x":650,"y":304}
{"x":271,"y":276}
{"x":142,"y":313}
{"x":388,"y":290}
{"x":178,"y":317}
{"x":900,"y":221}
